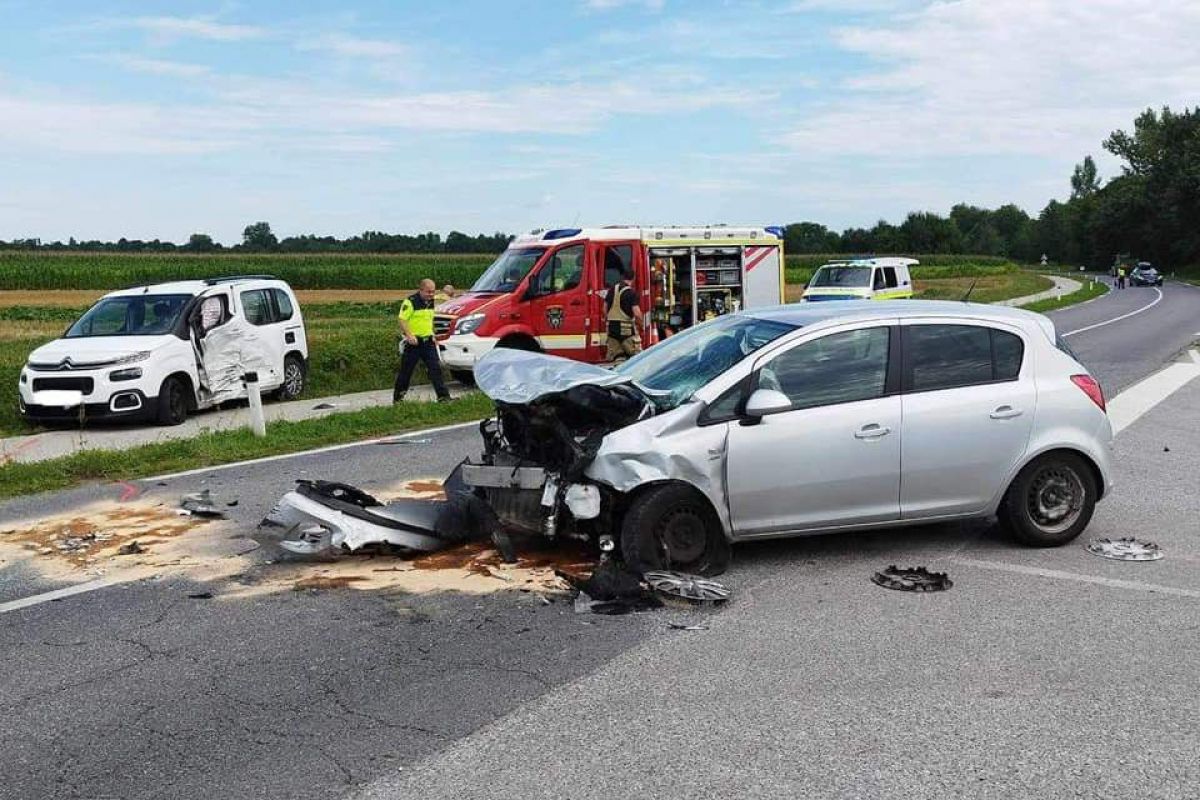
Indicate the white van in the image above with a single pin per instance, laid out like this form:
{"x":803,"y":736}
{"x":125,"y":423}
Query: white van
{"x":158,"y":352}
{"x":862,"y":279}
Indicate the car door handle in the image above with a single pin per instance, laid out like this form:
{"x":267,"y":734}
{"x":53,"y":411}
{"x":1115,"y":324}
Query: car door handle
{"x":1006,"y":412}
{"x":872,"y":431}
{"x":576,"y":302}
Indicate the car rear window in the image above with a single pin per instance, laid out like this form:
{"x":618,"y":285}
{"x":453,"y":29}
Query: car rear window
{"x":952,"y":356}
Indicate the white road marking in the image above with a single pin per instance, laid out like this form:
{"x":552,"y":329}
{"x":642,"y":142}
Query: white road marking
{"x":316,"y":451}
{"x":1147,"y":307}
{"x":57,"y":594}
{"x":1128,"y":406}
{"x":1137,"y":586}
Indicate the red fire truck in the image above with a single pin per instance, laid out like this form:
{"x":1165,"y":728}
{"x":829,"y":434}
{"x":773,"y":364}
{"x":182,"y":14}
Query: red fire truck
{"x":547,"y":290}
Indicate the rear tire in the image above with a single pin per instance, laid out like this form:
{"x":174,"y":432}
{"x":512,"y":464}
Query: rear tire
{"x":172,"y":404}
{"x":672,"y":527}
{"x":294,"y":375}
{"x":1050,"y":501}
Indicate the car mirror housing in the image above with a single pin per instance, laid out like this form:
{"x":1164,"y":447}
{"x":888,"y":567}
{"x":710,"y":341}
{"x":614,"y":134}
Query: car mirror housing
{"x":767,"y":401}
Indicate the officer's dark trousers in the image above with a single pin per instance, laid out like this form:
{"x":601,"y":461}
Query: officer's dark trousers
{"x":424,"y":350}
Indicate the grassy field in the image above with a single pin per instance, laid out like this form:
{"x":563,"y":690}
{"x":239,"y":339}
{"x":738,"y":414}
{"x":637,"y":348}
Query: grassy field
{"x":224,"y":447}
{"x":352,"y":331}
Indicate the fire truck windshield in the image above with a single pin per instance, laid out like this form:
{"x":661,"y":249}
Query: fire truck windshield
{"x":507,"y":271}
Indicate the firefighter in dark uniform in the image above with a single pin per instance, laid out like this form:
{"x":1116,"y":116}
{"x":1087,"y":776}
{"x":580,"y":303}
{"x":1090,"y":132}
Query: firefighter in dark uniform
{"x":416,"y":327}
{"x":624,"y":320}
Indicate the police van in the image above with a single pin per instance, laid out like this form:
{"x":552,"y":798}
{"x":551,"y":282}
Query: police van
{"x":861,"y":279}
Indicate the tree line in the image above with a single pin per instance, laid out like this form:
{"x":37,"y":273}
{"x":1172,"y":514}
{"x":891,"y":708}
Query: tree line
{"x":1150,"y":211}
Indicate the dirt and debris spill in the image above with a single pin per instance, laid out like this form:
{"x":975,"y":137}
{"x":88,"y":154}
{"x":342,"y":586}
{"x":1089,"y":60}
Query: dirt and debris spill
{"x":85,"y":543}
{"x":84,"y":538}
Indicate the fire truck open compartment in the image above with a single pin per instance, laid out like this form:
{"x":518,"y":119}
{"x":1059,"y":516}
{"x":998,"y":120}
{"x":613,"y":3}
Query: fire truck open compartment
{"x":694,"y":284}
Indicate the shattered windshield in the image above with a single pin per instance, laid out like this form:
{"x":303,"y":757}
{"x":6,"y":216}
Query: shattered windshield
{"x":842,"y":277}
{"x":685,"y":362}
{"x":507,"y":271}
{"x":134,"y":315}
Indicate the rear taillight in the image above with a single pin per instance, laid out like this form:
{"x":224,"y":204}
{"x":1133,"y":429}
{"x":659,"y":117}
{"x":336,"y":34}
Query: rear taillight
{"x":1091,"y":388}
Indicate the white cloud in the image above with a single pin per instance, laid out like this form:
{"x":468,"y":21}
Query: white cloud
{"x":354,"y":47}
{"x":608,"y":5}
{"x":191,"y":27}
{"x":155,"y":66}
{"x":1029,"y":77}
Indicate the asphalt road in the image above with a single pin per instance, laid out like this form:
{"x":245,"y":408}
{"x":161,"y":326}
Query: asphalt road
{"x":1041,"y":673}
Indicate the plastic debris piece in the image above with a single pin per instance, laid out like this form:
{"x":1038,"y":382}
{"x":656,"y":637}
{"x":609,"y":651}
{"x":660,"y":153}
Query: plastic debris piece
{"x":324,"y":406}
{"x":201,"y":504}
{"x":1125,"y":549}
{"x":130,"y":549}
{"x":913,"y":579}
{"x":232,"y":503}
{"x":200,"y":596}
{"x":694,"y":588}
{"x":680,"y":626}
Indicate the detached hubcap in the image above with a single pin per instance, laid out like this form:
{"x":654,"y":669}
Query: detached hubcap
{"x":1055,"y":498}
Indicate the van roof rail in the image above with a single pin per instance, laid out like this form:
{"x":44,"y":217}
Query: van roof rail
{"x":233,"y":278}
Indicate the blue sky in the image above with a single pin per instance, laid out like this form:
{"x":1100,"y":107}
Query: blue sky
{"x":156,"y":120}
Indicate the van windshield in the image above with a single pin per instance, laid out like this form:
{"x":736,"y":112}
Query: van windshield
{"x":842,"y":277}
{"x":135,"y":315}
{"x":684,"y":363}
{"x":507,"y":271}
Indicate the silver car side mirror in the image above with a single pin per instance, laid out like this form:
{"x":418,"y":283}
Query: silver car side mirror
{"x":767,"y":401}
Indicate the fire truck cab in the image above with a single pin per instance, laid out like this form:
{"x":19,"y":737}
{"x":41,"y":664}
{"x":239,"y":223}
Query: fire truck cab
{"x":548,"y":290}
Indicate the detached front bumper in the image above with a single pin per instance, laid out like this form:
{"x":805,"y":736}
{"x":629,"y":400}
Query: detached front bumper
{"x":461,"y":351}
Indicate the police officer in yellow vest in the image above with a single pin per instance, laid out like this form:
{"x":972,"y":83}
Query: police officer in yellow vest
{"x":624,"y":320}
{"x":416,"y":327}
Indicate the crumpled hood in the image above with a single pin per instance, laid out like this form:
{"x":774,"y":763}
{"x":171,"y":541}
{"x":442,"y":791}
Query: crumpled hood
{"x":466,"y":304}
{"x":95,"y":349}
{"x":519,"y":376}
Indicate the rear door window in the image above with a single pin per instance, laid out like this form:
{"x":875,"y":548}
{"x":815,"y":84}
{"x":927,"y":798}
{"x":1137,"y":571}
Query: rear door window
{"x":256,"y":305}
{"x":951,"y":356}
{"x":889,"y":277}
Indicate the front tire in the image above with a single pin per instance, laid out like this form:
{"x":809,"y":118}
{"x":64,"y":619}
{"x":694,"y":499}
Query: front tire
{"x":1050,"y":501}
{"x":672,"y":527}
{"x":464,"y":376}
{"x":172,"y":408}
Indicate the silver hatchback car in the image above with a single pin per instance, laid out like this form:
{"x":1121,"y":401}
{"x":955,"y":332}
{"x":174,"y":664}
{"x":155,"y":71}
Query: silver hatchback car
{"x":796,"y":420}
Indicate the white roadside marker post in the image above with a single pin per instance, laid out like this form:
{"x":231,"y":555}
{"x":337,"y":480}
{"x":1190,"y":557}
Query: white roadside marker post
{"x":257,"y":422}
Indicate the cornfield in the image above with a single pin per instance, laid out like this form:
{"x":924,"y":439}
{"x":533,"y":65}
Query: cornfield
{"x":40,"y":270}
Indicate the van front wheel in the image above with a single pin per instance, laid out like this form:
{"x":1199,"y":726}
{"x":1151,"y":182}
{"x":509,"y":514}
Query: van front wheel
{"x":172,"y":402}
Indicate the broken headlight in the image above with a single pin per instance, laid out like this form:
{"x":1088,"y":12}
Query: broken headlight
{"x":470,"y":323}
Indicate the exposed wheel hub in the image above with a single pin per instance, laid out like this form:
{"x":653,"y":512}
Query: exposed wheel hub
{"x":1055,"y":498}
{"x":683,"y":535}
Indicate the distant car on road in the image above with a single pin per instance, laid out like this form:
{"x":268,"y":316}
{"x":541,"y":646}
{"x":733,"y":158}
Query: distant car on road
{"x":1145,"y":275}
{"x":158,"y":352}
{"x":801,"y":419}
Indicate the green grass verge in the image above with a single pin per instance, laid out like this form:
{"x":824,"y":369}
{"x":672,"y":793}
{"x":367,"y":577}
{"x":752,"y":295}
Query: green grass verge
{"x":1088,"y":292}
{"x":224,"y":447}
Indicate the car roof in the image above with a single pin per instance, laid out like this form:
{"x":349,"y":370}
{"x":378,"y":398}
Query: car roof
{"x":194,"y":287}
{"x":808,"y":314}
